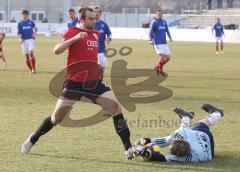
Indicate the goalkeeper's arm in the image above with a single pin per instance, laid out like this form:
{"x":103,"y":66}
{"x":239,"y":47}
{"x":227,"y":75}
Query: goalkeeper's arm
{"x":161,"y":141}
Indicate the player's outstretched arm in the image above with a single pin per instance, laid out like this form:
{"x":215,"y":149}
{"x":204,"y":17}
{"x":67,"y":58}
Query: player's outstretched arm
{"x":162,"y":141}
{"x":183,"y":159}
{"x":62,"y":46}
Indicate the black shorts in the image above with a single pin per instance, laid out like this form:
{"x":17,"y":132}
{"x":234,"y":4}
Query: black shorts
{"x":205,"y":129}
{"x":91,"y":90}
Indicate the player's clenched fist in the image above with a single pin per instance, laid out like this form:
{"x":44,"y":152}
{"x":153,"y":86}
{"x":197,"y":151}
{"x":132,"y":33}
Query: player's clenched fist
{"x":81,"y":35}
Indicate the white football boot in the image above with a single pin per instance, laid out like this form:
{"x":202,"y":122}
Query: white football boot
{"x":26,"y":146}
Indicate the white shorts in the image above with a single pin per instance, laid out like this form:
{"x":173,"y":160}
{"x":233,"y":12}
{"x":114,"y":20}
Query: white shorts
{"x":28,"y":46}
{"x":102,"y":60}
{"x":219,"y":38}
{"x":162,"y":49}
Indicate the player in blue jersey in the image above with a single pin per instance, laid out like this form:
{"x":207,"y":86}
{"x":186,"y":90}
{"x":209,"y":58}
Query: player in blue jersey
{"x":105,"y":36}
{"x":73,"y":18}
{"x":187,"y":144}
{"x":26,"y":34}
{"x":218,"y":27}
{"x":157,"y":36}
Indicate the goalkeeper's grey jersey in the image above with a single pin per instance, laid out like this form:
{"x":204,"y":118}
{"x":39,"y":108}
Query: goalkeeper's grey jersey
{"x":199,"y":143}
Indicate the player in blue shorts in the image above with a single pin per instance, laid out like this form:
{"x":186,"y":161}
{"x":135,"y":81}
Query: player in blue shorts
{"x":157,"y":37}
{"x":187,"y":144}
{"x":219,"y":33}
{"x":105,"y":36}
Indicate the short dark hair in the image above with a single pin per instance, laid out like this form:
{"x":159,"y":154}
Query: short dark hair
{"x":71,"y":10}
{"x":2,"y":34}
{"x":80,"y":10}
{"x":25,"y":12}
{"x":84,"y":11}
{"x":158,"y":10}
{"x":98,"y":8}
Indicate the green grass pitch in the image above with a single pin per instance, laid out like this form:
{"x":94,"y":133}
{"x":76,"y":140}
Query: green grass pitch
{"x":196,"y":75}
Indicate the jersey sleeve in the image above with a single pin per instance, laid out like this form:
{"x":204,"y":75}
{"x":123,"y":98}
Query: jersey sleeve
{"x":151,"y":31}
{"x":19,"y":28}
{"x":162,"y":141}
{"x":108,"y":32}
{"x":167,"y":30}
{"x":185,"y":159}
{"x":33,"y":24}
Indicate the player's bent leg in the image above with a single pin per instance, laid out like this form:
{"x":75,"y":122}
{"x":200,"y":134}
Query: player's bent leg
{"x":63,"y":107}
{"x":109,"y":102}
{"x":205,"y":121}
{"x":211,"y":119}
{"x":185,"y":117}
{"x":214,"y":114}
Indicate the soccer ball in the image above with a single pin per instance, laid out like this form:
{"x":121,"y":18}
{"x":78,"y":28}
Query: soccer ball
{"x":150,"y":148}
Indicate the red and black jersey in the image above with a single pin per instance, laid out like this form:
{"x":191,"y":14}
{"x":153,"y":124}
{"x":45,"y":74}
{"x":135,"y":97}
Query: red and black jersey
{"x":82,"y":60}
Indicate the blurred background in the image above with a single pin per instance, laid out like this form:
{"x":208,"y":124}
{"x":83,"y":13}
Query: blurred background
{"x":129,"y":13}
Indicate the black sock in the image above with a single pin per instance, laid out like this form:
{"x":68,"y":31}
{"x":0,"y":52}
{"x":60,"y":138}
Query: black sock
{"x":45,"y":127}
{"x":122,"y":130}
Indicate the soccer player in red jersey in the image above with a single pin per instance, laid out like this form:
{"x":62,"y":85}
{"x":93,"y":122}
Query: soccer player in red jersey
{"x":82,"y":80}
{"x":2,"y":37}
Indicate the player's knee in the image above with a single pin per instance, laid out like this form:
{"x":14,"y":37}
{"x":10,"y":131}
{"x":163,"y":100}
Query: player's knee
{"x":115,"y":108}
{"x":205,"y":121}
{"x":55,"y":119}
{"x":59,"y":114}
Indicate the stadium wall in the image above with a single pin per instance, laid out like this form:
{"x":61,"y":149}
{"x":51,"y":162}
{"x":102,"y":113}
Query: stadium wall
{"x":196,"y":35}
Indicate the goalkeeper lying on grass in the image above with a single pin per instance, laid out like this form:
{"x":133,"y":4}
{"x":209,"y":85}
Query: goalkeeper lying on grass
{"x":186,"y":145}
